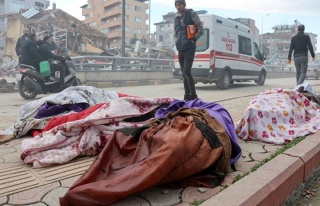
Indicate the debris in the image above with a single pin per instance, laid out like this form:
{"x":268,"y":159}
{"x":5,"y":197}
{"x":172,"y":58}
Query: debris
{"x":202,"y":190}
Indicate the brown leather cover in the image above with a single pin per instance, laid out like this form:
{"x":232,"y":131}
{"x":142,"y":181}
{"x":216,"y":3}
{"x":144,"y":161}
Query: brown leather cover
{"x":163,"y":153}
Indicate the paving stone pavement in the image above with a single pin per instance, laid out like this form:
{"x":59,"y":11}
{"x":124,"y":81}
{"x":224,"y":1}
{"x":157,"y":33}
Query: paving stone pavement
{"x":45,"y":186}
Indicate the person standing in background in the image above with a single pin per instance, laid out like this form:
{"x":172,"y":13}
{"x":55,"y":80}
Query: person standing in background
{"x":21,"y":42}
{"x":186,"y":45}
{"x":300,"y":44}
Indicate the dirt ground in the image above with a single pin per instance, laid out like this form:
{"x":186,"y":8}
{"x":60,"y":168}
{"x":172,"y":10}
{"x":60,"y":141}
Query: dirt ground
{"x":311,"y":196}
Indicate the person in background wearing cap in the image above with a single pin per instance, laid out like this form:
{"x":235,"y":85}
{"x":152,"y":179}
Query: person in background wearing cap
{"x":300,"y":43}
{"x":21,"y":42}
{"x":186,"y":47}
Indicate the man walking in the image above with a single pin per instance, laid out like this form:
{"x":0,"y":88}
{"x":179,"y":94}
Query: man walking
{"x":21,"y":42}
{"x":186,"y":45}
{"x":300,"y":43}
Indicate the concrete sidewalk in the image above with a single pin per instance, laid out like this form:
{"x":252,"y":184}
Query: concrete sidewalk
{"x":20,"y":184}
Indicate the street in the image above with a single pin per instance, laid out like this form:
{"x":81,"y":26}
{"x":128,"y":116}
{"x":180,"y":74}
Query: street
{"x":11,"y":102}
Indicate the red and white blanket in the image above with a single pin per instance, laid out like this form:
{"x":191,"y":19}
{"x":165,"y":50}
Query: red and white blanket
{"x":70,"y":136}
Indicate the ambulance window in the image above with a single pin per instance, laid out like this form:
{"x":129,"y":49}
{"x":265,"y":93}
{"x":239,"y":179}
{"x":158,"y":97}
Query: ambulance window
{"x":203,"y":42}
{"x":257,"y":52}
{"x":245,"y":45}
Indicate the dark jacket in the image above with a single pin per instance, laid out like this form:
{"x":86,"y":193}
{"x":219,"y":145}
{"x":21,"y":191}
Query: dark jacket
{"x":29,"y":53}
{"x":20,"y":43}
{"x":300,"y":43}
{"x":45,"y":52}
{"x":182,"y":41}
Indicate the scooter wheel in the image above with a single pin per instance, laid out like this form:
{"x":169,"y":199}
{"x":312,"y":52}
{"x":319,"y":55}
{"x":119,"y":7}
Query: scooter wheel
{"x":27,"y":92}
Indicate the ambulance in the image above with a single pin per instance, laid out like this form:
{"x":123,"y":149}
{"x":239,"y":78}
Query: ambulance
{"x":226,"y":52}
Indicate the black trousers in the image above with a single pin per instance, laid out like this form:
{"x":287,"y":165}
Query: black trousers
{"x":61,"y":69}
{"x":186,"y":58}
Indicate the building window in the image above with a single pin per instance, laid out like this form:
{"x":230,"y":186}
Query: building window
{"x":138,"y":8}
{"x":127,"y":17}
{"x":127,"y":6}
{"x":105,"y":31}
{"x":39,"y":4}
{"x":161,"y":38}
{"x":138,"y":19}
{"x":127,"y":29}
{"x":138,"y":30}
{"x":161,"y":28}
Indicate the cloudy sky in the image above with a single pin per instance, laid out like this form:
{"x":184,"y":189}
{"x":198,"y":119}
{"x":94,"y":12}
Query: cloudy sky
{"x":281,"y":11}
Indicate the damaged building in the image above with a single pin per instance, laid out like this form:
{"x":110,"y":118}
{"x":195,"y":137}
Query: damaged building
{"x":69,"y":32}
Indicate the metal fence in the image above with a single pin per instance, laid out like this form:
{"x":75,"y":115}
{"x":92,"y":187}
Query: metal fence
{"x":114,"y":63}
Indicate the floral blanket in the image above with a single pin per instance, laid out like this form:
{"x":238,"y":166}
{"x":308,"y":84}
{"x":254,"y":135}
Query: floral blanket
{"x":72,"y":95}
{"x":279,"y":116}
{"x":86,"y":136}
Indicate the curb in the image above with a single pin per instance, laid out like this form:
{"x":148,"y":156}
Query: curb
{"x":274,"y":182}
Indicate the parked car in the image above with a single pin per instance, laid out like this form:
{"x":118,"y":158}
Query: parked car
{"x":313,"y":71}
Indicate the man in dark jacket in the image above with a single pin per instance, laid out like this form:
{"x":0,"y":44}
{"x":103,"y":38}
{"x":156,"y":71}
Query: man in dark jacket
{"x":29,"y":52}
{"x":185,"y":46}
{"x":21,"y":41}
{"x":300,"y":43}
{"x":53,"y":45}
{"x":46,"y":55}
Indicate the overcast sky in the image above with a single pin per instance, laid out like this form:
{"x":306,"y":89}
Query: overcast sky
{"x":281,"y":11}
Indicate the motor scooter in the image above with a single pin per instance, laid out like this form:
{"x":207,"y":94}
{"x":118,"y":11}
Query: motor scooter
{"x":30,"y":82}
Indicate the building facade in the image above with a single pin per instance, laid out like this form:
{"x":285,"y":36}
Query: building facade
{"x":165,"y":30}
{"x":14,"y":6}
{"x":106,"y":16}
{"x":279,"y":41}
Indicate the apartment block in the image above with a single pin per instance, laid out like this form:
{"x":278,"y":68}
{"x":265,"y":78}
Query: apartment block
{"x":14,"y":6}
{"x":279,"y":41}
{"x":106,"y":16}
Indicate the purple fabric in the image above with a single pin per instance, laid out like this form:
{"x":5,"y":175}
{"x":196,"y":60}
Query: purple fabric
{"x":216,"y":111}
{"x":48,"y":109}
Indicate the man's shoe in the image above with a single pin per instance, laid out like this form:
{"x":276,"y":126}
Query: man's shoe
{"x":193,"y":96}
{"x":186,"y":97}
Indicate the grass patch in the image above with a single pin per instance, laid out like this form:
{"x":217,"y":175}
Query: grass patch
{"x":198,"y":202}
{"x":278,"y":152}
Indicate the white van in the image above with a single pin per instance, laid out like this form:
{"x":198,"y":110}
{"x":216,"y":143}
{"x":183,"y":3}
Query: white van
{"x":227,"y":52}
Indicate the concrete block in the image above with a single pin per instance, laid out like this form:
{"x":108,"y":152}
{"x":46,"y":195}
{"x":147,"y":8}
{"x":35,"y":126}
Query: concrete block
{"x":104,"y":84}
{"x":92,"y":84}
{"x":132,"y":83}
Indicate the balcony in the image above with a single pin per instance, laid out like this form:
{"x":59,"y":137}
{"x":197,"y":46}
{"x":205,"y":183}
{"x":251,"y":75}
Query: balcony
{"x":110,"y":2}
{"x":114,"y":34}
{"x":111,"y":23}
{"x":111,"y":13}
